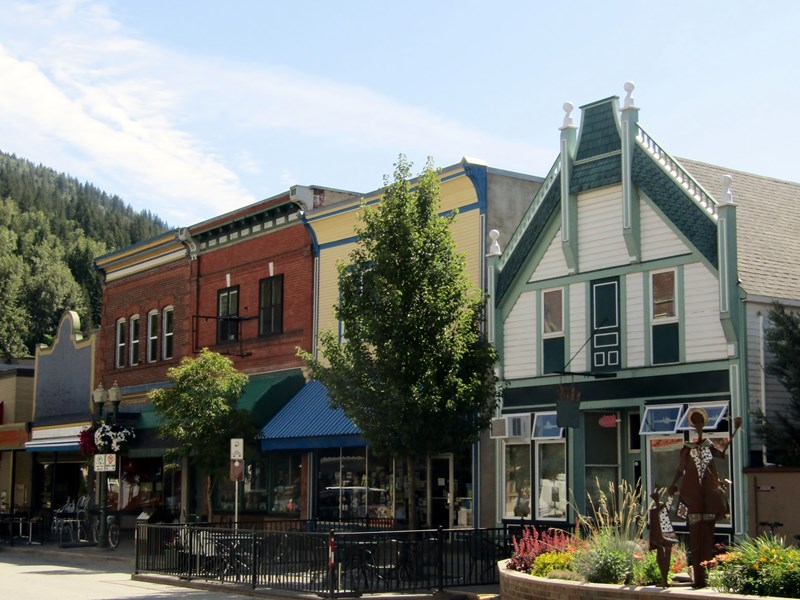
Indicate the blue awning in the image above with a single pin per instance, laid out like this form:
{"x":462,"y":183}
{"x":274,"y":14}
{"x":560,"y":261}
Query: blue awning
{"x":308,"y":422}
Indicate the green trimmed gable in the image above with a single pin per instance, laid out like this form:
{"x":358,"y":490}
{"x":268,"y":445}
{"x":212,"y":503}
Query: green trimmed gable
{"x":519,"y":256}
{"x":667,"y":195}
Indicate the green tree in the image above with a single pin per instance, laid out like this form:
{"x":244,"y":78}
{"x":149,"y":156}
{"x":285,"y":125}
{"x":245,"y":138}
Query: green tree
{"x":199,"y":413}
{"x":415,"y":373}
{"x":781,"y":431}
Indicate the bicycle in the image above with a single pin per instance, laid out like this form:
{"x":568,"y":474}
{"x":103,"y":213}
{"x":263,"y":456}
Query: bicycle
{"x":112,"y":531}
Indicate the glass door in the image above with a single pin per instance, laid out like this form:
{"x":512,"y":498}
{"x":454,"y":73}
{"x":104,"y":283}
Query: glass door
{"x":440,"y":490}
{"x":602,"y":454}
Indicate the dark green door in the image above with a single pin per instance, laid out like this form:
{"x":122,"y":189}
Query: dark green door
{"x":606,"y":355}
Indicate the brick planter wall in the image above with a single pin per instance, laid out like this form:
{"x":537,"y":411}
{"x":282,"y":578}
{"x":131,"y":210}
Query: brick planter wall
{"x":519,"y":586}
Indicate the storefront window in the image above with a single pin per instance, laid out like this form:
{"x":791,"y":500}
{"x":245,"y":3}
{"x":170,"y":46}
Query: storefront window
{"x":141,"y":487}
{"x":353,"y":484}
{"x":272,"y":484}
{"x":517,"y":502}
{"x":551,"y":480}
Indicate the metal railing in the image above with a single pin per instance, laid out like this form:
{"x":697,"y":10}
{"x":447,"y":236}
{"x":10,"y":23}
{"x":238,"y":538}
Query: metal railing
{"x":333,"y":563}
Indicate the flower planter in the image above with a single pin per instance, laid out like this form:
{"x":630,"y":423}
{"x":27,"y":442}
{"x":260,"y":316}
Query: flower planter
{"x":520,"y":586}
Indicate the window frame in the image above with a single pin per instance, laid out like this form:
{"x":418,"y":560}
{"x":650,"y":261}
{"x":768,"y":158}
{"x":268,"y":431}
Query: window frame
{"x":645,"y":430}
{"x":263,"y":307}
{"x":230,"y":320}
{"x":134,"y":329}
{"x":120,"y":342}
{"x":167,"y":333}
{"x":546,"y":416}
{"x":713,"y":421}
{"x":659,"y":318}
{"x":554,"y":333}
{"x":152,"y":336}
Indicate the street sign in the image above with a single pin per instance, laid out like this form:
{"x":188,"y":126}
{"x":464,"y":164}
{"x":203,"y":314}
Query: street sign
{"x":105,"y":463}
{"x":237,"y":470}
{"x":237,"y":448}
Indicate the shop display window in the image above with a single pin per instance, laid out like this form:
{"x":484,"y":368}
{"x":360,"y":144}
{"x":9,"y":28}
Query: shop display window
{"x":517,"y":491}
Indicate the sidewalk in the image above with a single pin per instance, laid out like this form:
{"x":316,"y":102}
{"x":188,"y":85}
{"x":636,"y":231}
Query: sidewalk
{"x":124,"y":555}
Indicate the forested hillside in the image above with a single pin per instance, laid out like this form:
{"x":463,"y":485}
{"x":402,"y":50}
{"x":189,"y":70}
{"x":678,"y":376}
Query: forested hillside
{"x":52,"y":227}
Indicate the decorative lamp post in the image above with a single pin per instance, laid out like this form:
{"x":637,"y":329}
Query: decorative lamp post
{"x":101,"y":396}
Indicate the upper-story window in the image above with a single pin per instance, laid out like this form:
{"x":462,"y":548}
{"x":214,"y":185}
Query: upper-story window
{"x":167,"y":335}
{"x":119,"y":356}
{"x":270,"y":306}
{"x":553,"y":331}
{"x":228,"y":314}
{"x":152,"y":336}
{"x":134,"y":341}
{"x":664,"y":318}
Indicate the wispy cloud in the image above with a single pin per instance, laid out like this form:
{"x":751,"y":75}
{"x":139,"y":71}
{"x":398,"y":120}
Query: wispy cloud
{"x":83,"y":94}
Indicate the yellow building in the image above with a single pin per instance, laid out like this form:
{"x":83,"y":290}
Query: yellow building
{"x":486,"y":199}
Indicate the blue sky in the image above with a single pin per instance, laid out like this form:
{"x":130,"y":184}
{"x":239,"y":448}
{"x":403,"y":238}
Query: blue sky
{"x":192,"y":109}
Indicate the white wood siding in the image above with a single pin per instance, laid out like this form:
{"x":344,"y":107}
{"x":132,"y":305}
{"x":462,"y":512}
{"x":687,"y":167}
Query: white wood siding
{"x":600,"y":229}
{"x":519,"y":338}
{"x":768,"y":387}
{"x":577,"y":327}
{"x":658,"y":240}
{"x":552,"y":263}
{"x":635,"y":305}
{"x":705,"y":339}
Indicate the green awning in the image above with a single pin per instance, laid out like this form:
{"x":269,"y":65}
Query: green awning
{"x":263,"y":396}
{"x":266,"y":394}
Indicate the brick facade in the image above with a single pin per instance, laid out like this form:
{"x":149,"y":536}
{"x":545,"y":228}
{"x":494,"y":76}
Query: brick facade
{"x":153,"y":289}
{"x":287,"y":252}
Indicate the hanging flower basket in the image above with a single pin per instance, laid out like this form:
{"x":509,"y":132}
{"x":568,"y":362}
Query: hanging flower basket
{"x":112,"y":439}
{"x":86,"y":441}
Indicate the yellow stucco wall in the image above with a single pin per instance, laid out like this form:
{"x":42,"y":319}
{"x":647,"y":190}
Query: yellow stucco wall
{"x":337,"y":224}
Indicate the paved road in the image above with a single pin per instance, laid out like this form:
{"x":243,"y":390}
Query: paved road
{"x":39,"y":576}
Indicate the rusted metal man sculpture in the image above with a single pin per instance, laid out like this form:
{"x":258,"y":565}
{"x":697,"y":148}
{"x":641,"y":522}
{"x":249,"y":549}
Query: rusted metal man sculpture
{"x":702,"y":496}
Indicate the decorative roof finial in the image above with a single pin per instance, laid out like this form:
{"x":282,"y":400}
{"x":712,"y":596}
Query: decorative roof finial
{"x":568,"y":108}
{"x":727,"y":195}
{"x":629,"y":87}
{"x":494,"y":247}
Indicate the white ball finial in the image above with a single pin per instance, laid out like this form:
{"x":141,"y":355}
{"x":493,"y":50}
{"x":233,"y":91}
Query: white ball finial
{"x":727,"y":194}
{"x":568,"y":108}
{"x":494,"y":247}
{"x":629,"y":87}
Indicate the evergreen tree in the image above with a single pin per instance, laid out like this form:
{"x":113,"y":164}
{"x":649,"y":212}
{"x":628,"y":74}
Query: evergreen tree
{"x":415,"y":373}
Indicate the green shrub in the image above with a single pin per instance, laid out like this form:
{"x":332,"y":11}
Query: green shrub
{"x":566,"y":575}
{"x":606,"y":558}
{"x":646,"y":570}
{"x":761,"y":566}
{"x":550,"y":561}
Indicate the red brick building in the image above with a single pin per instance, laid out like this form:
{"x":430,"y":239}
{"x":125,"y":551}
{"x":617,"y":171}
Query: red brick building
{"x":240,"y":284}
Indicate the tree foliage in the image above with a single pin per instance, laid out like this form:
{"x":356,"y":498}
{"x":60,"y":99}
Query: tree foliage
{"x":199,"y":412}
{"x":781,"y":431}
{"x":51,"y":229}
{"x":414,"y":373}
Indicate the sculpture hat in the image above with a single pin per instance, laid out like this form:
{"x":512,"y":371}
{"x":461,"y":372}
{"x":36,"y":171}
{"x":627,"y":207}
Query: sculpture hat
{"x":698,"y":416}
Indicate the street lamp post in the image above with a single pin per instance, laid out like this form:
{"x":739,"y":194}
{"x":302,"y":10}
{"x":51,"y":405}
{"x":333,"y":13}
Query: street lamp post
{"x":101,"y":396}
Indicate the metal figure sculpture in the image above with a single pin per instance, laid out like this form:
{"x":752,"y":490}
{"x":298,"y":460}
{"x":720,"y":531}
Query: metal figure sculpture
{"x":662,"y":536}
{"x":702,"y":498}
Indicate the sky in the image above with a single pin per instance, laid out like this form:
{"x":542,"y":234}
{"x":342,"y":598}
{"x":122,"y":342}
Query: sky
{"x":190,"y":109}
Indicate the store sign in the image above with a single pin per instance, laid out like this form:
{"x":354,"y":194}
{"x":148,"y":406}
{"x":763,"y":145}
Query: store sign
{"x":105,"y":463}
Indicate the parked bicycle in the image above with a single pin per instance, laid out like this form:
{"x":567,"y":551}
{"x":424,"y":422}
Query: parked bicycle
{"x":112,"y":532}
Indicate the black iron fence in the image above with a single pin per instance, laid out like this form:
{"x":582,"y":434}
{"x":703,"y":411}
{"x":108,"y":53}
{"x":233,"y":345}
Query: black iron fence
{"x":299,"y":556}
